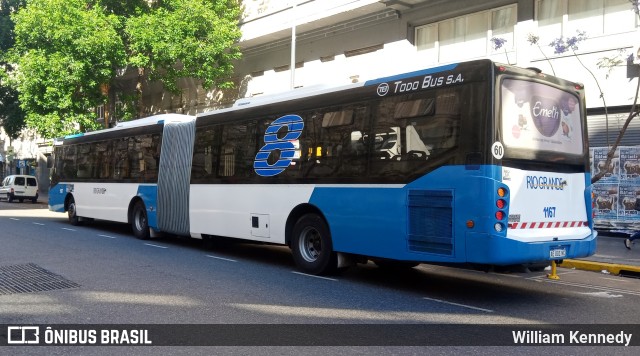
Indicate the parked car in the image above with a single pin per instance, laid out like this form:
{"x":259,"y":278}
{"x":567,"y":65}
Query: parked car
{"x":19,"y":187}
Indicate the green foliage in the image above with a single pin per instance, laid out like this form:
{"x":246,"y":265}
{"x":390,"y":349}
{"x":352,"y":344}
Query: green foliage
{"x":186,"y":38}
{"x":11,"y":115}
{"x":65,"y":50}
{"x":126,"y":109}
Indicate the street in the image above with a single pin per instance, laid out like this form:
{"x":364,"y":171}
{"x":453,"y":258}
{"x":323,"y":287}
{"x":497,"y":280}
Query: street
{"x":109,"y":277}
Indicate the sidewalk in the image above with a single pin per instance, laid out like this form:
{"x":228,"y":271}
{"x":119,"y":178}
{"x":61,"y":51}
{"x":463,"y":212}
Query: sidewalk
{"x":611,"y":256}
{"x":43,"y":198}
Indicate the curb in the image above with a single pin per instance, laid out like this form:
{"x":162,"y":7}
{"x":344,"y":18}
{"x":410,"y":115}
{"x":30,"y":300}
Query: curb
{"x":613,"y":268}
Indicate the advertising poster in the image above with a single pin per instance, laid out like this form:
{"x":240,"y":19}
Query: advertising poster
{"x":599,"y":158}
{"x":628,"y":193}
{"x":606,"y":200}
{"x":630,"y":164}
{"x":540,"y":117}
{"x":615,"y":194}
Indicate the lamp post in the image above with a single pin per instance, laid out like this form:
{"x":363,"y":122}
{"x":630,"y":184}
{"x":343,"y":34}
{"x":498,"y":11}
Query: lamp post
{"x":293,"y":44}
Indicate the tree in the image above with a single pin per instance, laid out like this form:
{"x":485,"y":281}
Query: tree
{"x":609,"y":62}
{"x":562,"y":45}
{"x":11,"y":115}
{"x":64,"y":50}
{"x":68,"y":51}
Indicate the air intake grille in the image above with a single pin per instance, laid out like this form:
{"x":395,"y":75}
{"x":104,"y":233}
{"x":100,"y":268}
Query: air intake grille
{"x":430,"y":215}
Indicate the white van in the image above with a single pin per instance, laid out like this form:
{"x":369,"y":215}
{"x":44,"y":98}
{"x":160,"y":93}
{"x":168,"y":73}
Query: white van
{"x":19,"y":187}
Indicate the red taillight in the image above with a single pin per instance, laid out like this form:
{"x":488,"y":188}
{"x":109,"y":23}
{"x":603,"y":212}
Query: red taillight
{"x":500,"y":203}
{"x":499,"y":215}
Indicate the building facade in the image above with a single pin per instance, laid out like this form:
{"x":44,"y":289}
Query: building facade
{"x":338,"y":42}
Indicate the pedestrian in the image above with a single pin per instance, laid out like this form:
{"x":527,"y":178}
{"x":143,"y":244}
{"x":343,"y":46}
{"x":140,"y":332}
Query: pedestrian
{"x":628,"y":241}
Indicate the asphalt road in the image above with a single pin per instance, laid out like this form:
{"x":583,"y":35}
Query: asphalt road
{"x":114,"y":278}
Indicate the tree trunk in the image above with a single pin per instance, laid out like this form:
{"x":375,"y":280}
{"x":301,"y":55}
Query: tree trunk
{"x":634,"y":112}
{"x":139,"y":92}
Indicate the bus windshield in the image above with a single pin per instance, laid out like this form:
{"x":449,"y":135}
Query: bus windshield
{"x":539,"y":117}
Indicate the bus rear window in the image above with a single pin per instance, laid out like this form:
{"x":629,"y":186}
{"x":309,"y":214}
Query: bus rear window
{"x":540,"y":118}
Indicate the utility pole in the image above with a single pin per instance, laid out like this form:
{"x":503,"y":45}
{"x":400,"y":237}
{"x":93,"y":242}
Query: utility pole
{"x":293,"y":44}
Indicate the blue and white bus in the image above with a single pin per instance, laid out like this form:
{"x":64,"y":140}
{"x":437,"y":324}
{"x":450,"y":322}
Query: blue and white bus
{"x":469,"y":164}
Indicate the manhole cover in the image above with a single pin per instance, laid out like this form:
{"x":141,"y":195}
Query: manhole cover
{"x":30,"y":278}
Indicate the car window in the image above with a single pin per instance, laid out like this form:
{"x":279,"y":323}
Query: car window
{"x":19,"y":181}
{"x":32,"y":182}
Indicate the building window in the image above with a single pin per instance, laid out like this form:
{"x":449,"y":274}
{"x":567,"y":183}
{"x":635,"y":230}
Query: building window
{"x":100,"y":113}
{"x":597,"y":17}
{"x":467,"y":36}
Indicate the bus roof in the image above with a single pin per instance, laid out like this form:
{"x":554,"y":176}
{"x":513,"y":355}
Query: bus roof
{"x":321,"y":89}
{"x":151,"y":120}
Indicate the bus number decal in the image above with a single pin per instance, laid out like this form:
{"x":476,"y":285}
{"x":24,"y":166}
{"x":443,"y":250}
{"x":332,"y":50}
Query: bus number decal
{"x":283,"y":145}
{"x":549,"y":211}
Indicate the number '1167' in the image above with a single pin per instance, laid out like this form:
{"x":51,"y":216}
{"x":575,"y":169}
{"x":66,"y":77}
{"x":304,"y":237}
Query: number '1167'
{"x":549,"y":212}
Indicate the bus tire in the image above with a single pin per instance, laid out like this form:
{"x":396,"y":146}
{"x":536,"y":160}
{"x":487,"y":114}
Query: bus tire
{"x":72,"y":213}
{"x":139,"y":222}
{"x":311,"y":246}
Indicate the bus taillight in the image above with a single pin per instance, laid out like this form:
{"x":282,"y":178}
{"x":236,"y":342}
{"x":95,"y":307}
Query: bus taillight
{"x":500,"y":214}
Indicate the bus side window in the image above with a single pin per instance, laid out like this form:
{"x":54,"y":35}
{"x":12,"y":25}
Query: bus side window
{"x":238,"y":147}
{"x":204,"y":155}
{"x":85,"y":161}
{"x":68,"y":162}
{"x":121,"y":170}
{"x":332,"y":143}
{"x":104,"y":160}
{"x":148,"y":158}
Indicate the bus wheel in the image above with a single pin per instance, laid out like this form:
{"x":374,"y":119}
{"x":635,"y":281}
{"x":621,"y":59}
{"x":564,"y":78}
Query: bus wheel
{"x":139,"y":222}
{"x":72,"y":213}
{"x":311,"y":246}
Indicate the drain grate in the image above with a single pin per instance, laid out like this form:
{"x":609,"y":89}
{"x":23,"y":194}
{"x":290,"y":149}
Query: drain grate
{"x":31,"y":278}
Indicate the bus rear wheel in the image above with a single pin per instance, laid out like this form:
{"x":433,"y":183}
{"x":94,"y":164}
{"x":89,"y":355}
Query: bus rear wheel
{"x":139,"y":222}
{"x":312,"y":247}
{"x":72,"y":213}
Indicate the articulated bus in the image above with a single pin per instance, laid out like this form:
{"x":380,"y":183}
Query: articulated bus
{"x":468,"y":164}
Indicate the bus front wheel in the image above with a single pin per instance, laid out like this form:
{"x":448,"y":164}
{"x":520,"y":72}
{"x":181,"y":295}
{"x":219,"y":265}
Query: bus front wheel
{"x":139,"y":222}
{"x":312,"y":247}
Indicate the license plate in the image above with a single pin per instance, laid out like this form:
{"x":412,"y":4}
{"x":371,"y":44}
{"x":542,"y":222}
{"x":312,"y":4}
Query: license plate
{"x":558,"y":253}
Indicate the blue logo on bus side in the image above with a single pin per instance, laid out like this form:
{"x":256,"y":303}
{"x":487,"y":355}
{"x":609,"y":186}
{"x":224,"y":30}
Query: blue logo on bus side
{"x":285,"y":146}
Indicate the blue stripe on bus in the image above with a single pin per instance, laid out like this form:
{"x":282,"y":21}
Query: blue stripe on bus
{"x":57,"y":193}
{"x":149,"y":195}
{"x":378,"y":234}
{"x":412,"y":74}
